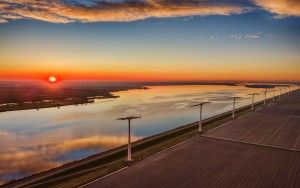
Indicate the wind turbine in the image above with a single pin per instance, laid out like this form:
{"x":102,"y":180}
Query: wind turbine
{"x":265,"y":94}
{"x":279,"y":96}
{"x":274,"y":95}
{"x":233,"y":106}
{"x":252,"y":104}
{"x":285,"y":92}
{"x":201,"y":106}
{"x":129,"y":118}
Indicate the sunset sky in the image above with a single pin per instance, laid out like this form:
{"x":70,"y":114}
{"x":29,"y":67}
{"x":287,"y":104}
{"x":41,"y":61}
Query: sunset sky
{"x":150,"y":40}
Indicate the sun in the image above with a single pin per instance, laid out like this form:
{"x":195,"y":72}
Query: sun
{"x":52,"y":79}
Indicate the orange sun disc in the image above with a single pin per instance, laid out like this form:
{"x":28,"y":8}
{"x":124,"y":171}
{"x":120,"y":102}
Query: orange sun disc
{"x":52,"y":79}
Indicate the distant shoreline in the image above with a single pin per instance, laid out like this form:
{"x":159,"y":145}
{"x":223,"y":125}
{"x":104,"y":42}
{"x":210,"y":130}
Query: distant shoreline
{"x":15,"y":97}
{"x":266,"y":86}
{"x":186,"y":83}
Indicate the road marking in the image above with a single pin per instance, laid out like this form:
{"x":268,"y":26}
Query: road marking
{"x":102,"y":177}
{"x":253,"y":128}
{"x":224,"y":124}
{"x":250,"y":143}
{"x":276,"y":132}
{"x":296,"y":142}
{"x":136,"y":162}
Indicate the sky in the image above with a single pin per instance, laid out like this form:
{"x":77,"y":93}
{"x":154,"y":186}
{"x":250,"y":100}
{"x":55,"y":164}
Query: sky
{"x":150,"y":40}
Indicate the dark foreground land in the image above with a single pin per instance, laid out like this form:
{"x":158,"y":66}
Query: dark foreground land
{"x":260,"y":149}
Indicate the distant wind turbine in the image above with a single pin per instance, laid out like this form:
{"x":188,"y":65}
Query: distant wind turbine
{"x":201,"y":106}
{"x":252,"y":104}
{"x":233,"y":105}
{"x":265,"y":94}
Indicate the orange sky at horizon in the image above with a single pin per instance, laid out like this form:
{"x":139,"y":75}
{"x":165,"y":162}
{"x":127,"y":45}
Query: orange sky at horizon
{"x":158,"y":75}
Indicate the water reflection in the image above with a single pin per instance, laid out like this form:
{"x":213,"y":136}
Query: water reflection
{"x":34,"y":156}
{"x":33,"y":141}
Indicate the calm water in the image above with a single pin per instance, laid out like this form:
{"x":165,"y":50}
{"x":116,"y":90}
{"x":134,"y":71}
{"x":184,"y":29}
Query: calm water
{"x":37,"y":140}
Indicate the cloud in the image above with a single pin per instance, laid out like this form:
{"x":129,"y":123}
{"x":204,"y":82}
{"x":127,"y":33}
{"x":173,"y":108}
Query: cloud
{"x":245,"y":36}
{"x":282,"y":8}
{"x":3,"y":20}
{"x":112,"y":11}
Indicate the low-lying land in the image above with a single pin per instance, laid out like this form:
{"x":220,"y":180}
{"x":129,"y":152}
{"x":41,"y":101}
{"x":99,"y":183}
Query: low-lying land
{"x":266,"y":86}
{"x":22,"y":98}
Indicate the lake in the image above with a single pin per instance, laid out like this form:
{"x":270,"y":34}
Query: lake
{"x":37,"y":140}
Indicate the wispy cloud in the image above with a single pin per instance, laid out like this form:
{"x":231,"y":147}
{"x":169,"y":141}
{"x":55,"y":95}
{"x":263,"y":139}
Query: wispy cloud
{"x":117,"y":11}
{"x":245,"y":36}
{"x":282,"y":8}
{"x":3,"y":20}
